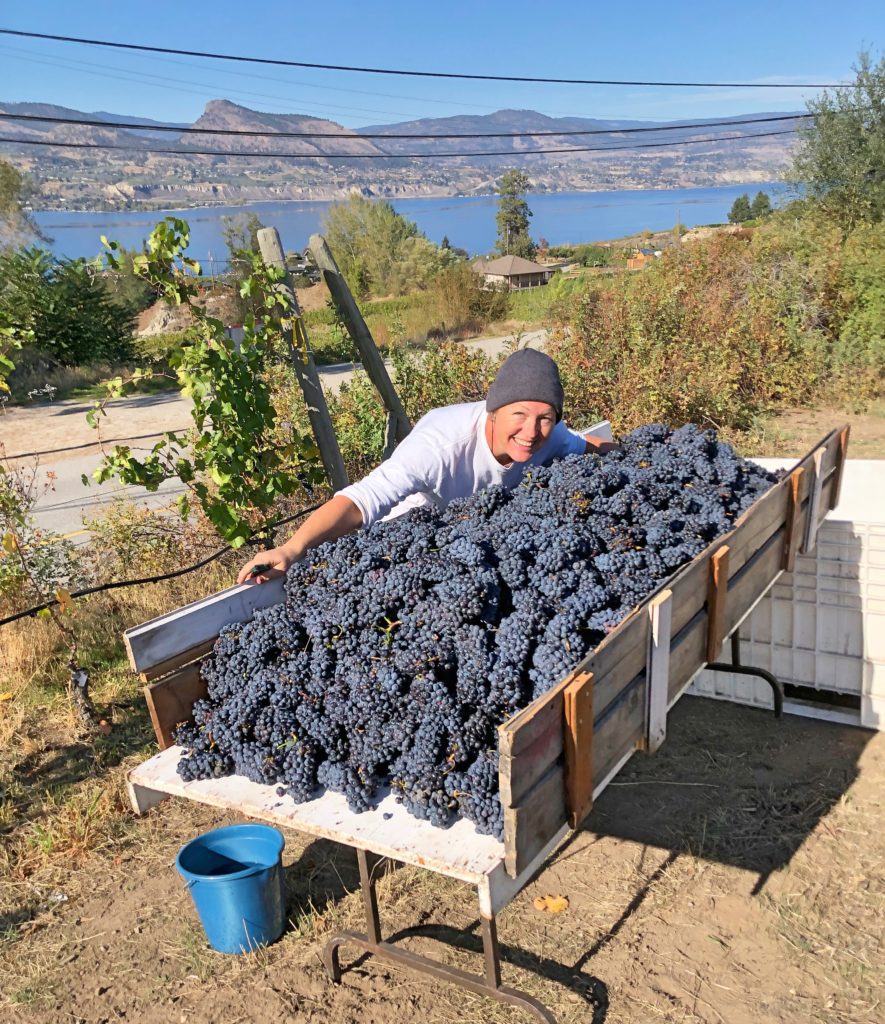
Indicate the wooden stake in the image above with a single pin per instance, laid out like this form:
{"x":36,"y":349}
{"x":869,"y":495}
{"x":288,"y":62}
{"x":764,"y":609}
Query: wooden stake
{"x":794,"y":513}
{"x":359,"y":331}
{"x":840,"y":465}
{"x":578,"y":744}
{"x":717,"y":593}
{"x":657,"y":672}
{"x":305,"y":370}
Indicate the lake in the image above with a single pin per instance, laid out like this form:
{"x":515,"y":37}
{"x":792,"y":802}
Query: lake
{"x":469,"y":222}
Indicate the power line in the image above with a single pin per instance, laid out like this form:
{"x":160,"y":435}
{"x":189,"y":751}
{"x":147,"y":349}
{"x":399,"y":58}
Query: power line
{"x":279,"y":62}
{"x":145,"y":126}
{"x":62,"y":62}
{"x":394,"y":156}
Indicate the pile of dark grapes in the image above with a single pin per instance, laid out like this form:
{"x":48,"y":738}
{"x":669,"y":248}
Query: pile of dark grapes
{"x":400,"y":649}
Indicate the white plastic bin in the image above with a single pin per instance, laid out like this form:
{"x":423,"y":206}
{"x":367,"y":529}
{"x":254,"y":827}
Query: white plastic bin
{"x":823,"y":625}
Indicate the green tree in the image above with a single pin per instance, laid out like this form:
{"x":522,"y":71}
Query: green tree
{"x":379,"y":251}
{"x":62,"y":307}
{"x":15,"y":223}
{"x":740,"y":210}
{"x":240,"y":234}
{"x":840,"y":158}
{"x":761,"y":206}
{"x":513,"y":216}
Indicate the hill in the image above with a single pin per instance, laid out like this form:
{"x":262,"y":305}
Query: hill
{"x":135,"y":175}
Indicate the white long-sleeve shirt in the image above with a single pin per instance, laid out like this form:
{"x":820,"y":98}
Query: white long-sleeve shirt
{"x":447,"y":456}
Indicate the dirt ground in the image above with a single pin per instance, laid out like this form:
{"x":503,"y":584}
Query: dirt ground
{"x":734,"y":876}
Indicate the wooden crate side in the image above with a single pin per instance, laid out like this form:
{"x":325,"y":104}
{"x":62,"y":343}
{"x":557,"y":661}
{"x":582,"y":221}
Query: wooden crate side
{"x":179,"y":661}
{"x":529,"y":826}
{"x":517,"y":774}
{"x":171,"y":701}
{"x":167,"y":636}
{"x":620,"y":730}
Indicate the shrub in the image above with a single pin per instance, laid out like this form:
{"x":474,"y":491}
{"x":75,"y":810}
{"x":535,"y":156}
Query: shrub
{"x":62,"y":307}
{"x":442,"y":375}
{"x":721,"y":330}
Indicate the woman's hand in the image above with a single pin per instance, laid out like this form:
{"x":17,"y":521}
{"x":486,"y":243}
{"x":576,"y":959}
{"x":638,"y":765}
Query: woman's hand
{"x":266,"y":565}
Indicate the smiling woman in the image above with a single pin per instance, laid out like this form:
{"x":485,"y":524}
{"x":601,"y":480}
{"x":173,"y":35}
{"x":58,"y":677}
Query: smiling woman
{"x":452,"y":453}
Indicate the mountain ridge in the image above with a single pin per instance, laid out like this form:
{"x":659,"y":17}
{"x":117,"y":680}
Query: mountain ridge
{"x":330,"y":168}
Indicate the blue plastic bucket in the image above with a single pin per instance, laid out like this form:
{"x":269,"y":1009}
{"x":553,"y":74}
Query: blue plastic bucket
{"x":235,"y":876}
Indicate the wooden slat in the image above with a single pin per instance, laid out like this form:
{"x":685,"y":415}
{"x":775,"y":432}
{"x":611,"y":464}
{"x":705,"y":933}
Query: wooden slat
{"x":658,"y":669}
{"x":518,"y":774}
{"x":528,"y":827}
{"x":578,"y":743}
{"x":794,"y":518}
{"x":841,"y":456}
{"x":812,"y":519}
{"x":170,"y":702}
{"x":621,"y":729}
{"x":717,"y":599}
{"x":168,"y":636}
{"x":755,"y":578}
{"x":179,"y":661}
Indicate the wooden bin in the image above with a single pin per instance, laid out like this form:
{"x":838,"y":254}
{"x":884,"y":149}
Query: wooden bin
{"x":559,"y":753}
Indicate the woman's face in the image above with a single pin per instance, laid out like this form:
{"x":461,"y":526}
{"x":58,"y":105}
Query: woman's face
{"x":516,"y":431}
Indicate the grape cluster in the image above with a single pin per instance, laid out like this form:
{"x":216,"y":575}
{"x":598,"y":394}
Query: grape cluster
{"x":400,"y":649}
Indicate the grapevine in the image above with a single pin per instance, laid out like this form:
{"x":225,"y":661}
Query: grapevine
{"x":400,"y":649}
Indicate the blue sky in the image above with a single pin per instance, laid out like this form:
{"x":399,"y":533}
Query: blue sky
{"x":780,"y":41}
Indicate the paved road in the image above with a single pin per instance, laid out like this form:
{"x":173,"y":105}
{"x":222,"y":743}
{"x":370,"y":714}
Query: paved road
{"x":63,"y":443}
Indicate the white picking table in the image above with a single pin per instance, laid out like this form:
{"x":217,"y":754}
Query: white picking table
{"x":387,"y":831}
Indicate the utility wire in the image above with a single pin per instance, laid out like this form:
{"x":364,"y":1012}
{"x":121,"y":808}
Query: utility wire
{"x":394,"y":156}
{"x":119,"y":584}
{"x":411,"y":74}
{"x":356,"y":135}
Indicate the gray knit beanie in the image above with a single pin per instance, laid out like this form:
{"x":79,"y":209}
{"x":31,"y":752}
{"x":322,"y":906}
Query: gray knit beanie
{"x":527,"y":376}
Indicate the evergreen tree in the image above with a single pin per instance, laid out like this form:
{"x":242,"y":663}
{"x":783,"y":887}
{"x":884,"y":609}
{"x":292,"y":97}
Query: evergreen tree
{"x":740,"y":210}
{"x":513,"y":216}
{"x":761,"y":206}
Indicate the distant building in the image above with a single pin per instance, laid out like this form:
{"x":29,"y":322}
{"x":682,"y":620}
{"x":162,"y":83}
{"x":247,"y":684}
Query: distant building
{"x":514,"y":272}
{"x":642,"y":256}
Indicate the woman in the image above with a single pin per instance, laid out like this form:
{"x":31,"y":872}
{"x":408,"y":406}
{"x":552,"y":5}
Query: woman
{"x":452,"y":452}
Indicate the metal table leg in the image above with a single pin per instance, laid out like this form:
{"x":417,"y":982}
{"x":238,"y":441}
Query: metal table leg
{"x":748,"y":670}
{"x":487,"y":984}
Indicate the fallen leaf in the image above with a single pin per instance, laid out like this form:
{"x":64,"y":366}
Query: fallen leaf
{"x":6,"y":696}
{"x":551,"y":904}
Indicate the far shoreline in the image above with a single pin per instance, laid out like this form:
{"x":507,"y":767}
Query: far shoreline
{"x":391,"y":199}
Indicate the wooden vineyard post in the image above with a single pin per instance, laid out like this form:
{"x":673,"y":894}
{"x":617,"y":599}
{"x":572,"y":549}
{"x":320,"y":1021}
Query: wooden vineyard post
{"x":398,"y":422}
{"x":657,"y":672}
{"x":794,"y":514}
{"x":303,"y":364}
{"x":840,"y":466}
{"x":578,"y":743}
{"x":717,"y":592}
